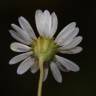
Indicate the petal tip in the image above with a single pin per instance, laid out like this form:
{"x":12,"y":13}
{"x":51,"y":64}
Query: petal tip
{"x":20,"y":17}
{"x":12,"y":24}
{"x":38,"y":10}
{"x":73,"y":23}
{"x":10,"y":31}
{"x":12,"y":47}
{"x":19,"y":72}
{"x":46,"y":11}
{"x":78,"y":69}
{"x":60,"y":81}
{"x":10,"y":62}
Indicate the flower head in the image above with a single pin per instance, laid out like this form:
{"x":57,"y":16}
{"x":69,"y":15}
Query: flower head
{"x":33,"y":48}
{"x":41,"y":52}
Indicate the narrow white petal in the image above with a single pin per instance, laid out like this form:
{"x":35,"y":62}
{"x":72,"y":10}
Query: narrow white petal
{"x":34,"y":68}
{"x":27,"y":27}
{"x":56,"y":73}
{"x":65,"y":32}
{"x":19,"y":58}
{"x":47,"y":23}
{"x":18,"y":47}
{"x":45,"y":74}
{"x":18,"y":37}
{"x":54,"y":24}
{"x":23,"y":33}
{"x":71,"y":66}
{"x":25,"y":65}
{"x":43,"y":22}
{"x":38,"y":16}
{"x":69,"y":38}
{"x":62,"y":68}
{"x":74,"y":42}
{"x":71,"y":51}
{"x":76,"y":50}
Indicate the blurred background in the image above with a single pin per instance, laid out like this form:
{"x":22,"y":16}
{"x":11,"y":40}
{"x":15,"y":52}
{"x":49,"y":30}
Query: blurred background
{"x":82,"y":83}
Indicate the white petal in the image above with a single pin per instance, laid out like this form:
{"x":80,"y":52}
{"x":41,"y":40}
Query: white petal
{"x":65,"y":32}
{"x":54,"y":24}
{"x":45,"y":74}
{"x":18,"y":37}
{"x":71,"y":66}
{"x":69,"y":38}
{"x":43,"y":22}
{"x":25,"y":65}
{"x":34,"y":68}
{"x":27,"y":27}
{"x":47,"y":22}
{"x":72,"y":51}
{"x":56,"y":73}
{"x":62,"y":68}
{"x":74,"y":42}
{"x":18,"y":47}
{"x":38,"y":15}
{"x":19,"y":58}
{"x":23,"y":33}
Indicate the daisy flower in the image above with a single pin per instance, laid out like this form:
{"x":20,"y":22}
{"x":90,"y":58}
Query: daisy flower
{"x":40,"y":53}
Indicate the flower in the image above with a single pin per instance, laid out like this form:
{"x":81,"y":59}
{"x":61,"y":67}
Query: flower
{"x":42,"y":52}
{"x":46,"y":24}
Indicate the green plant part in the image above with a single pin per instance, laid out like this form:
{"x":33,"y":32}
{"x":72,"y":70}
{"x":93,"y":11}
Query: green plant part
{"x":44,"y":48}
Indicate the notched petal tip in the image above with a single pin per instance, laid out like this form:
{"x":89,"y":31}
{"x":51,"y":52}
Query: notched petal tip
{"x":38,"y":11}
{"x":46,"y":12}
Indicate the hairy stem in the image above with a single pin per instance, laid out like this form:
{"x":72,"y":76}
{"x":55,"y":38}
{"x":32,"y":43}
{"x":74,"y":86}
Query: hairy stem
{"x":40,"y":78}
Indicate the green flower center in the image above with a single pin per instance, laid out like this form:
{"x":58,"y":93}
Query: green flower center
{"x":44,"y":48}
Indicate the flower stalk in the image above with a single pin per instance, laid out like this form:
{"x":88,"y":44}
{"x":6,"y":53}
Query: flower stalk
{"x":40,"y":83}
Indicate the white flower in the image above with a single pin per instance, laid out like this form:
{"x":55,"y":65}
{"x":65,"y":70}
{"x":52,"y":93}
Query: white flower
{"x":32,"y":47}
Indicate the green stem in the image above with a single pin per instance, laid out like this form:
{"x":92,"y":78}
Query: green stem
{"x":40,"y":78}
